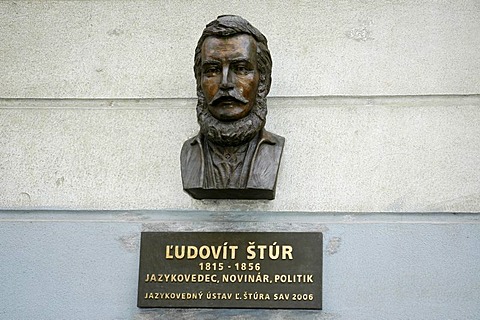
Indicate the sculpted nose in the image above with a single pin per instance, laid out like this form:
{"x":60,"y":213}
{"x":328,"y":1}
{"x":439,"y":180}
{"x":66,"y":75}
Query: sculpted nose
{"x":226,"y":83}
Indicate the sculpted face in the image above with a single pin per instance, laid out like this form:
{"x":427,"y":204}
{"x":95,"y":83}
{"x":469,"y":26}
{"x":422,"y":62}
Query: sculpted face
{"x":229,"y":76}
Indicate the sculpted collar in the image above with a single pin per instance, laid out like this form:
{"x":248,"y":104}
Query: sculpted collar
{"x":265,"y":137}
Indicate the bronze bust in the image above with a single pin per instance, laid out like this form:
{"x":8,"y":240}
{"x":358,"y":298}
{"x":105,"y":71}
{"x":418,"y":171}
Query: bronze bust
{"x":233,"y":156}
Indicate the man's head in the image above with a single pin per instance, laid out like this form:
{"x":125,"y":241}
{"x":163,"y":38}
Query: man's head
{"x":233,"y":73}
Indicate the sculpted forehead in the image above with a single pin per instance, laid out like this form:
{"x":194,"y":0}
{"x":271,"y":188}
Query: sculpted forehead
{"x":228,"y":48}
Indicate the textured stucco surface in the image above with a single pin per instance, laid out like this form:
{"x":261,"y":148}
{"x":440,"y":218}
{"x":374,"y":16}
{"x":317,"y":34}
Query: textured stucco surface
{"x":118,"y":49}
{"x":84,"y":265}
{"x":379,"y":104}
{"x":341,"y":154}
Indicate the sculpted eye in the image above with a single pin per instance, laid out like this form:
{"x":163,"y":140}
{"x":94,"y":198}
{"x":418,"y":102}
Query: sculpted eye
{"x":242,"y":69}
{"x":211,"y":70}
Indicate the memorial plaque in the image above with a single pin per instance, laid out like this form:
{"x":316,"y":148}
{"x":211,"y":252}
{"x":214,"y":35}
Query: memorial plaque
{"x":281,"y":270}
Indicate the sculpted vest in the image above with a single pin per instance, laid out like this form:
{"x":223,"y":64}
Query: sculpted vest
{"x":261,"y":177}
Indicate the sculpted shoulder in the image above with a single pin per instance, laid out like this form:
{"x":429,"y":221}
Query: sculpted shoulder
{"x":192,"y":163}
{"x":273,"y":138}
{"x":266,"y":163}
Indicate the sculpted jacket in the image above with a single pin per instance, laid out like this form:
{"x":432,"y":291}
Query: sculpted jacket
{"x":258,"y":181}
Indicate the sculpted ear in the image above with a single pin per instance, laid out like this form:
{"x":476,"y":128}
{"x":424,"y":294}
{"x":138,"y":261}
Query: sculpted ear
{"x":263,"y":86}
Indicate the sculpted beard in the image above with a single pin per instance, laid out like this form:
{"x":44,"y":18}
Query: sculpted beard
{"x":232,"y":133}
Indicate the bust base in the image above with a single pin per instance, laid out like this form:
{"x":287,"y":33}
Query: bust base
{"x":252,"y":194}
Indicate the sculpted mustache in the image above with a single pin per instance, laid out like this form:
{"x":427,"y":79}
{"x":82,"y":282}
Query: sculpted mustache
{"x":232,"y":94}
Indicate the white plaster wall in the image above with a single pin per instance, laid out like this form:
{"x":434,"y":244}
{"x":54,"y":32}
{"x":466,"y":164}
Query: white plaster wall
{"x":341,"y":154}
{"x":144,"y":49}
{"x":379,"y":102}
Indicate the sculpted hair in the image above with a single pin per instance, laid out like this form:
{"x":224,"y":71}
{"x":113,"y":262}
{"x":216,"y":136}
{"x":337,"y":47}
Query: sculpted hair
{"x":230,"y":25}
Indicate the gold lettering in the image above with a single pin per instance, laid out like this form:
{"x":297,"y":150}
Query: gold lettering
{"x":216,"y":253}
{"x":179,"y":255}
{"x":204,"y":252}
{"x":251,"y":251}
{"x":287,"y":252}
{"x":261,"y":249}
{"x":168,"y":255}
{"x":233,"y":250}
{"x":192,"y":252}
